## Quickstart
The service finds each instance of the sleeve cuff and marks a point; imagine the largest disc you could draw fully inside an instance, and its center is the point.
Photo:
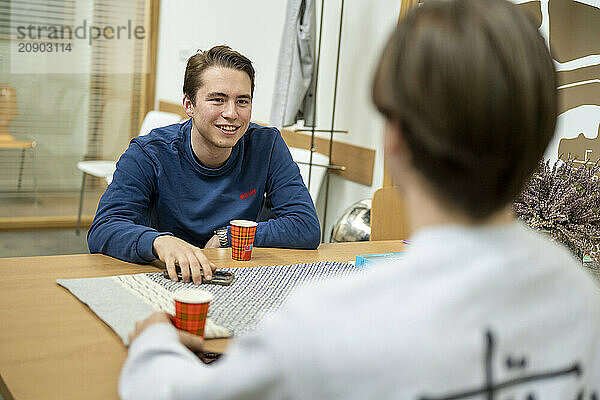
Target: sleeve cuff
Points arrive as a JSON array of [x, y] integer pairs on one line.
[[157, 333], [145, 242], [160, 338]]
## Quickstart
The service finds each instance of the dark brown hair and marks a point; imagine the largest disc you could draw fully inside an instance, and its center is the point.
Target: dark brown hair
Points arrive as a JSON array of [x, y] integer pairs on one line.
[[218, 56], [473, 87]]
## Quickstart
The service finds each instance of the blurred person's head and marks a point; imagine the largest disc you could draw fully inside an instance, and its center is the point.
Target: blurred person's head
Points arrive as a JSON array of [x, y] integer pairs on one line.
[[468, 89]]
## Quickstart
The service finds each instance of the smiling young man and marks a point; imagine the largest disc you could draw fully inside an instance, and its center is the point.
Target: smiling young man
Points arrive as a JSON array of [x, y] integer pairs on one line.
[[176, 189]]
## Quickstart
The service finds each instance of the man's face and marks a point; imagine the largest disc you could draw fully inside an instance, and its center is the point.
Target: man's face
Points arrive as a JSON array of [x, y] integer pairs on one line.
[[223, 107]]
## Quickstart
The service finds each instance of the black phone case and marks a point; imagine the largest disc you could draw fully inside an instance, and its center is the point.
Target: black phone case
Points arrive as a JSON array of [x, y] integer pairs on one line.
[[219, 278]]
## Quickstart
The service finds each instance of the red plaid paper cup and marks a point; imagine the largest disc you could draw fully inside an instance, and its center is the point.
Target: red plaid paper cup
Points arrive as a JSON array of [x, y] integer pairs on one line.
[[242, 239], [191, 308]]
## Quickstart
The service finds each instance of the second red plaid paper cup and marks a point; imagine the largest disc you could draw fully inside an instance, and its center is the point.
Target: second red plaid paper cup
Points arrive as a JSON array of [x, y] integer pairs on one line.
[[242, 239], [191, 308]]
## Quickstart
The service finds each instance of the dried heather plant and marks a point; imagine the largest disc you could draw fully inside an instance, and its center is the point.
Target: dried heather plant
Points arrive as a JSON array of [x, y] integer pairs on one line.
[[563, 200]]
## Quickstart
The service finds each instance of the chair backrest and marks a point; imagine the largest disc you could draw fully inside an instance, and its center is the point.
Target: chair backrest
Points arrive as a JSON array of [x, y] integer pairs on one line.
[[157, 119], [388, 215], [8, 109]]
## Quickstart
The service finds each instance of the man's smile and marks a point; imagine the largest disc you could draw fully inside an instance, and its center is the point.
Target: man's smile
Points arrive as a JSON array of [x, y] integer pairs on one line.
[[228, 129]]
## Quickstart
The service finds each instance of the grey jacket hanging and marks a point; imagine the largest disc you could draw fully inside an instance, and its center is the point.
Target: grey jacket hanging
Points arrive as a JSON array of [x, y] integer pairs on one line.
[[293, 98]]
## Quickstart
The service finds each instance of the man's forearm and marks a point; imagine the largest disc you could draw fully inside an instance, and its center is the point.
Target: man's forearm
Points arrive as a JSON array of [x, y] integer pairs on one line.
[[123, 240], [292, 231]]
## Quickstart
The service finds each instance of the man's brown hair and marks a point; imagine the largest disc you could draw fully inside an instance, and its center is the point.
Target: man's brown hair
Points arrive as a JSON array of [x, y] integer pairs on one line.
[[218, 56], [473, 87]]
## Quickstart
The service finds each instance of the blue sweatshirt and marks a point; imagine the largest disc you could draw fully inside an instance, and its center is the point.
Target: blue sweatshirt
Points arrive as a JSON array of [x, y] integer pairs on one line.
[[159, 187]]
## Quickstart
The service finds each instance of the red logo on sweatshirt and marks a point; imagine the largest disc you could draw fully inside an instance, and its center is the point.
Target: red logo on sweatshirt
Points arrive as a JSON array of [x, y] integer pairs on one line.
[[248, 194]]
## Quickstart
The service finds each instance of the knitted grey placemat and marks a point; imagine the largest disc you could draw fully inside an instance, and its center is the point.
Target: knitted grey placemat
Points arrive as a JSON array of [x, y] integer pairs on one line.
[[113, 304], [239, 308]]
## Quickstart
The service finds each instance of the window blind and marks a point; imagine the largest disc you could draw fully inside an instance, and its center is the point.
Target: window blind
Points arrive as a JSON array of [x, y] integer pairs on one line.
[[77, 68]]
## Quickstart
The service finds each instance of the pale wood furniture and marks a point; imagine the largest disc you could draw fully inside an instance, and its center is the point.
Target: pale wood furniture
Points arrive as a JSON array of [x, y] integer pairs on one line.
[[388, 215], [9, 109], [148, 87], [356, 162], [53, 347], [9, 143]]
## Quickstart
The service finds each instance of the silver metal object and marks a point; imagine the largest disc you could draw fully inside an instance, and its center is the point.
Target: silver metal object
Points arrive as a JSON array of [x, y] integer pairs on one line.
[[354, 225]]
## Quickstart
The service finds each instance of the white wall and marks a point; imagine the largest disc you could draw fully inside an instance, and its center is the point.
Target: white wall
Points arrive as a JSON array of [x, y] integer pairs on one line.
[[255, 28], [251, 27]]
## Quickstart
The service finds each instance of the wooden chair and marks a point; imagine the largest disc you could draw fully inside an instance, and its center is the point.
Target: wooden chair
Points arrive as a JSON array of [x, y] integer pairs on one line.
[[388, 215], [8, 111]]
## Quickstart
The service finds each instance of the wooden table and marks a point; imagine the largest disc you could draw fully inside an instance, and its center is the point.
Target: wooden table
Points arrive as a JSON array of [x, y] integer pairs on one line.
[[53, 347]]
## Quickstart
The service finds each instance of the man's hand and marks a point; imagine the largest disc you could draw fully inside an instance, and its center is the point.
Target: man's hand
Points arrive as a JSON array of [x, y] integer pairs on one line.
[[190, 259], [193, 342], [213, 243]]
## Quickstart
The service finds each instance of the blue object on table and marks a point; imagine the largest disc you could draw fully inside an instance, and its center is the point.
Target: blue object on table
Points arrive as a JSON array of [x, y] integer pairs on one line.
[[368, 260]]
